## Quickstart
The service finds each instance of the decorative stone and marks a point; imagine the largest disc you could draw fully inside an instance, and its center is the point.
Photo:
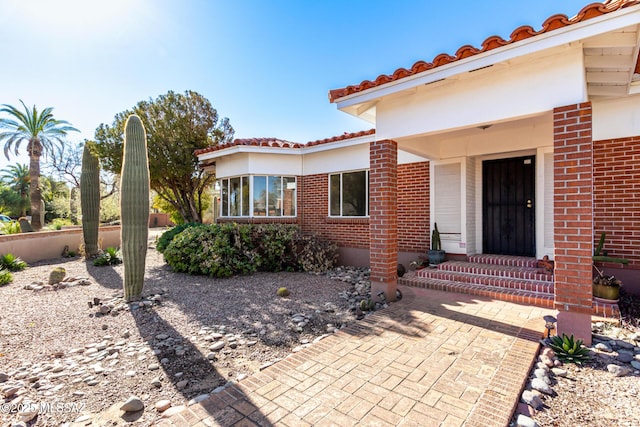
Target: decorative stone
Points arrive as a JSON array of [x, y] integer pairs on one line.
[[130, 374], [532, 399], [618, 371], [197, 399], [217, 346], [603, 347], [541, 386], [156, 382], [162, 405], [3, 377], [524, 421], [625, 356], [173, 411], [153, 367], [559, 372], [181, 384], [133, 404], [635, 364]]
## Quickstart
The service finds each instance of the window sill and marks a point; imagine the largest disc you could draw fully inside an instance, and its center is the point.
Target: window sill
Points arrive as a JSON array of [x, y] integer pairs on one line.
[[347, 220]]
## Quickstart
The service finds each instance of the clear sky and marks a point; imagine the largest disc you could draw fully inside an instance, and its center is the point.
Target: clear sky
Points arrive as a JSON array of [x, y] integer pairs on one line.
[[266, 64]]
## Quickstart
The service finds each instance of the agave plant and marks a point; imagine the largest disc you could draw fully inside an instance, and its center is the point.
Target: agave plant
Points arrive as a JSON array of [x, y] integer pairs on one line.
[[568, 349], [12, 262], [110, 256], [5, 276]]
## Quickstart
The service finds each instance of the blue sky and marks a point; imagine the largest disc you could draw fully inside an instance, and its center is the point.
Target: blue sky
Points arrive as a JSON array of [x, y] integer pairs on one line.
[[267, 65]]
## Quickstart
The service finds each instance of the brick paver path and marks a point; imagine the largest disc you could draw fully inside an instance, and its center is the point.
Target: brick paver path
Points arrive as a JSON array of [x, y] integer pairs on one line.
[[432, 359]]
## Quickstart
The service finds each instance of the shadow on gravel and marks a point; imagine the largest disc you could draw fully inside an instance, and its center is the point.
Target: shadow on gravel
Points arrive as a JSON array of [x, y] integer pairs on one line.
[[192, 373], [105, 276]]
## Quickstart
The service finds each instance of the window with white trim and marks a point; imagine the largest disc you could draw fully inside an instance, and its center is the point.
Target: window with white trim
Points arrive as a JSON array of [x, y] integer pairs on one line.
[[349, 194], [258, 196]]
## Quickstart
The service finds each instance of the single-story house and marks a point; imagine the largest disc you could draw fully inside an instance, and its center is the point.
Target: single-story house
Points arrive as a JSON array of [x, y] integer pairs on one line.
[[523, 147]]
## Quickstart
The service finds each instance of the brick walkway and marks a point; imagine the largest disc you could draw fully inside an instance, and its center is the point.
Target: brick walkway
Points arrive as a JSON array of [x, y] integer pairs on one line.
[[433, 359]]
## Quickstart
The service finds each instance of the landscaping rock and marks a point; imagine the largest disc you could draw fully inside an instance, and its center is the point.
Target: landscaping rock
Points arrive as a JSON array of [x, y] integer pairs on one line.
[[162, 405], [133, 404], [618, 371], [524, 421], [541, 386], [532, 399]]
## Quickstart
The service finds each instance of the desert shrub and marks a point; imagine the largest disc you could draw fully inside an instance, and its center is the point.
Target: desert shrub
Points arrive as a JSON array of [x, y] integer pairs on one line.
[[213, 250], [12, 227], [222, 250], [58, 223], [276, 245], [110, 256], [12, 263], [316, 255], [166, 237], [5, 277]]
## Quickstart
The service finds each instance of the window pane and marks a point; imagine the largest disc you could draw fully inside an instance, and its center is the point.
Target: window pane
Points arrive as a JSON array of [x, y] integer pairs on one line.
[[354, 194], [275, 196], [259, 195], [334, 195], [289, 199], [225, 197], [234, 197], [245, 196]]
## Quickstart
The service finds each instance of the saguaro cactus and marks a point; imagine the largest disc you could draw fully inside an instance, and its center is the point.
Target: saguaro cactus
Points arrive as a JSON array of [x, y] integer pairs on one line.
[[90, 200], [134, 207]]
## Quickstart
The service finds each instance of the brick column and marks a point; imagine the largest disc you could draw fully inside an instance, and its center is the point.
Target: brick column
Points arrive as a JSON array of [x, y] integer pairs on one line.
[[573, 219], [383, 218]]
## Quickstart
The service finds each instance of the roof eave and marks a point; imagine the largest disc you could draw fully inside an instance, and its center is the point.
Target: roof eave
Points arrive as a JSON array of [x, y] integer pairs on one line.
[[599, 25]]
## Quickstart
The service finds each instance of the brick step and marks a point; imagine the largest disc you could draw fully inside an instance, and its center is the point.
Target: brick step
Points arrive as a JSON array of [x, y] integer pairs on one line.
[[508, 260], [513, 272], [541, 286], [539, 299]]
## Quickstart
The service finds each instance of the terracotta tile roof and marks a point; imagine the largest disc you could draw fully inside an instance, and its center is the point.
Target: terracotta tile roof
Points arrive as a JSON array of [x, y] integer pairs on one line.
[[341, 137], [255, 142], [524, 32], [279, 143]]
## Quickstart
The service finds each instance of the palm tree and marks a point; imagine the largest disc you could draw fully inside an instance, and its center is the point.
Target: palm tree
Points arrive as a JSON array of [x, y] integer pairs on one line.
[[43, 134], [17, 178]]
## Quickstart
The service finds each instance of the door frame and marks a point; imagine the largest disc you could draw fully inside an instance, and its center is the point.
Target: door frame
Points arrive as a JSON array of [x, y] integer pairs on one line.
[[517, 201], [539, 194]]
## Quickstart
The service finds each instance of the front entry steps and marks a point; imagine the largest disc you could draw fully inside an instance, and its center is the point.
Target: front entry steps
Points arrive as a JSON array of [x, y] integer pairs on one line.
[[502, 277]]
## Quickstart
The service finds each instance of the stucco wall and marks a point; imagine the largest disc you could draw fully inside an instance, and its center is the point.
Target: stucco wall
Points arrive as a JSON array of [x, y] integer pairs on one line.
[[43, 245]]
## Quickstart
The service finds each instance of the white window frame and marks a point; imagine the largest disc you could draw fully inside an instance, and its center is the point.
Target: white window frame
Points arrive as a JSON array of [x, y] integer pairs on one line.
[[367, 195], [251, 186]]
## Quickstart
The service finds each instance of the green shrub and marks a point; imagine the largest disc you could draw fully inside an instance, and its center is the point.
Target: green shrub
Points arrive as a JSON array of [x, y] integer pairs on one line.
[[58, 223], [569, 350], [276, 245], [12, 263], [166, 237], [222, 250], [110, 256], [213, 250], [12, 227], [5, 277]]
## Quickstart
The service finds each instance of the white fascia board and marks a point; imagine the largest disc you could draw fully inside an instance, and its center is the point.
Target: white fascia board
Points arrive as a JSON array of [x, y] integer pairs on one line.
[[288, 151], [592, 27], [339, 144], [247, 149]]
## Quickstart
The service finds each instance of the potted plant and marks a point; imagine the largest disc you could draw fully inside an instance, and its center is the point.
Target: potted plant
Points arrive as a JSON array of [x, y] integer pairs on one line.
[[436, 254], [606, 287]]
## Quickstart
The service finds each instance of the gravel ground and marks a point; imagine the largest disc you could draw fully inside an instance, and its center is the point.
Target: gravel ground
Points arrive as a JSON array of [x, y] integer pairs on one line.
[[59, 351], [592, 395]]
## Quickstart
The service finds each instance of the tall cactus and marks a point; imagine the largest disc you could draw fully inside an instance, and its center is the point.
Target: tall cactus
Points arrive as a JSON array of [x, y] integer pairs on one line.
[[134, 207], [90, 200]]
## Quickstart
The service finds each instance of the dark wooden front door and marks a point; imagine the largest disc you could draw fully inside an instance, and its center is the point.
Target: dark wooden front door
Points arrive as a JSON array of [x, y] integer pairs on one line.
[[508, 207]]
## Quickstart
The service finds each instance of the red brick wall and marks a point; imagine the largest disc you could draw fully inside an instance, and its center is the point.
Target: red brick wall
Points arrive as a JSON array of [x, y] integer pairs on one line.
[[313, 206], [413, 207], [573, 208], [383, 207], [314, 215], [616, 196]]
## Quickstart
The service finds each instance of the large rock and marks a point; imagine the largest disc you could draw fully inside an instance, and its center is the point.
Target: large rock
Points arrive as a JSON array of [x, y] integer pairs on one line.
[[541, 386], [524, 421], [133, 404]]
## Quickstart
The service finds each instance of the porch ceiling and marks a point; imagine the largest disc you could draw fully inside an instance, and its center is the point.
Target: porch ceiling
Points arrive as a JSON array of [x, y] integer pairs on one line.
[[610, 62]]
